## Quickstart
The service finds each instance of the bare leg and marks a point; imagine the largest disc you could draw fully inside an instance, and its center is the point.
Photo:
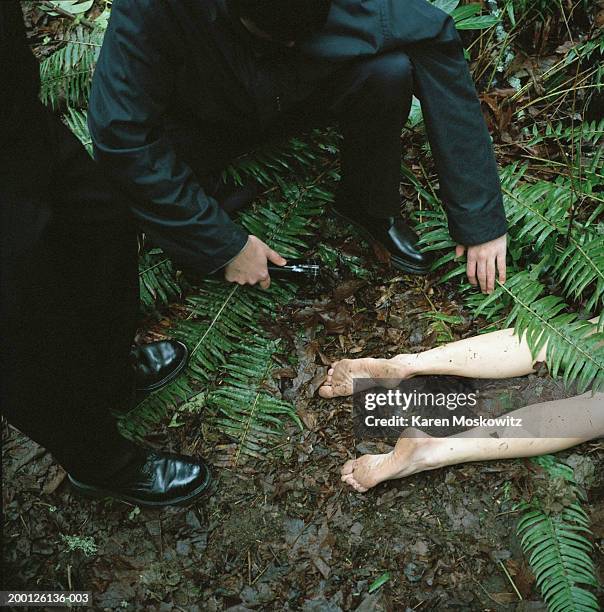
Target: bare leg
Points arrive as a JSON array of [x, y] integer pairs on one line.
[[500, 354], [552, 426], [549, 427]]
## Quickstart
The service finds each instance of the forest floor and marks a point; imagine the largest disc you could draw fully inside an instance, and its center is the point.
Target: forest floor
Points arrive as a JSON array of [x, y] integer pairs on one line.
[[285, 533]]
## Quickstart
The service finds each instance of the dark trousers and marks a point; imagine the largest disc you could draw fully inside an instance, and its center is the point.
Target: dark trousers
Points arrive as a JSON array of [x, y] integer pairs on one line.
[[370, 99], [69, 302]]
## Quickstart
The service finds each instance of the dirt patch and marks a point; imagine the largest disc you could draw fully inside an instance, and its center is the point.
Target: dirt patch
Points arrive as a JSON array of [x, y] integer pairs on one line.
[[285, 534]]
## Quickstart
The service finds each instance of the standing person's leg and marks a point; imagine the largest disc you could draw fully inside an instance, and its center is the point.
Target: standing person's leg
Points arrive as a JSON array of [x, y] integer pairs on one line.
[[60, 389], [74, 317], [68, 333], [104, 313]]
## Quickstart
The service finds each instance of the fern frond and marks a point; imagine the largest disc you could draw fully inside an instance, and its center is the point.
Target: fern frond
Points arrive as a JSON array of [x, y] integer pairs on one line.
[[140, 420], [273, 161], [581, 266], [77, 122], [66, 74], [575, 348], [245, 410], [589, 133], [539, 213], [558, 554], [158, 280], [557, 547]]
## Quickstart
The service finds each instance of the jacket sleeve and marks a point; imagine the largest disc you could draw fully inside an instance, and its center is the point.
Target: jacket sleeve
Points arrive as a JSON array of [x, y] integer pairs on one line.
[[131, 91]]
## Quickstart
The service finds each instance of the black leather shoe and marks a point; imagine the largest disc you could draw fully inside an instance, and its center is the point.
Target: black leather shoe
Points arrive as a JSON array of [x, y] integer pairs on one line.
[[395, 236], [154, 479], [158, 363]]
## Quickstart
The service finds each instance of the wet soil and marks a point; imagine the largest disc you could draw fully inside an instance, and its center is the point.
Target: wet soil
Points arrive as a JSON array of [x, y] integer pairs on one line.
[[285, 533]]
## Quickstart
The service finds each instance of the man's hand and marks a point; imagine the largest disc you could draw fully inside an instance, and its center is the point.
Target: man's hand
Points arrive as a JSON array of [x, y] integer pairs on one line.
[[250, 266], [483, 260]]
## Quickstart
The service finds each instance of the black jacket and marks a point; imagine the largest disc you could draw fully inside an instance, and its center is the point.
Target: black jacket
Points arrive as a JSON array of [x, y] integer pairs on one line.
[[187, 60], [164, 60]]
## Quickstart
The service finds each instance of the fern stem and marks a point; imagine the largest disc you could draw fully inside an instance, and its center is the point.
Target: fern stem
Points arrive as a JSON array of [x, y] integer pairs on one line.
[[216, 317], [250, 416], [547, 324], [157, 265]]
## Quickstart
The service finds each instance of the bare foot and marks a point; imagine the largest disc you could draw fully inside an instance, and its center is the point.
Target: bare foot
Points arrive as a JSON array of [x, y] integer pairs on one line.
[[413, 453], [342, 374]]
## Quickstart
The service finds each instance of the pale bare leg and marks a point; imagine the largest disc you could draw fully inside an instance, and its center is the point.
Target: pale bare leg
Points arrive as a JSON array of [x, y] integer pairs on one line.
[[550, 427], [500, 354]]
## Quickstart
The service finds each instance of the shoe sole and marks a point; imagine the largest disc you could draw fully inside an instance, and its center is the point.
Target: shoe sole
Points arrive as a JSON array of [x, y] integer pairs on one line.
[[397, 262], [96, 492], [168, 379]]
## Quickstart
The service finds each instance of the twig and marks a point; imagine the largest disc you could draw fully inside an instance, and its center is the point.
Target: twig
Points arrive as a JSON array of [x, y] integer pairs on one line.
[[485, 591], [505, 571], [274, 555], [259, 575], [506, 513]]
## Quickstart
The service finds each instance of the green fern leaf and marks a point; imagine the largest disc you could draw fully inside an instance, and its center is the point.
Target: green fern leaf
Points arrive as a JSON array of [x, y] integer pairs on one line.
[[557, 547]]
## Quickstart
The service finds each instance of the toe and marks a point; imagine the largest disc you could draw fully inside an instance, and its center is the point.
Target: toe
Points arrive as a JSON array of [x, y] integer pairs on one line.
[[349, 480], [348, 467], [326, 391], [341, 390], [361, 488], [355, 485]]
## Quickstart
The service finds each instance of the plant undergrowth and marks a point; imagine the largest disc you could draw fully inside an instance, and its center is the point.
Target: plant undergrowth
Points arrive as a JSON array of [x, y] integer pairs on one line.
[[548, 133]]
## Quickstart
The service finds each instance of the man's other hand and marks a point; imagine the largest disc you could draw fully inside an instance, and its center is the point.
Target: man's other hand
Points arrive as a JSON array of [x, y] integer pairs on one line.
[[484, 261], [250, 266]]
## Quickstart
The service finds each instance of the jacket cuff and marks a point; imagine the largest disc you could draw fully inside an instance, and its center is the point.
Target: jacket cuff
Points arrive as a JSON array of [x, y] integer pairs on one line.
[[234, 246], [226, 256], [478, 227]]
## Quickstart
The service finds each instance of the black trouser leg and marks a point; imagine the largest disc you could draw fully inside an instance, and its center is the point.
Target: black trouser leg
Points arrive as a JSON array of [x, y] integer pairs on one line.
[[459, 139], [73, 317], [372, 99]]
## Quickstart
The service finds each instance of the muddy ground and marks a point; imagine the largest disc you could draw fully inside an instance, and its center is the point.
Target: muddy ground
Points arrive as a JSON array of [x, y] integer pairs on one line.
[[285, 533]]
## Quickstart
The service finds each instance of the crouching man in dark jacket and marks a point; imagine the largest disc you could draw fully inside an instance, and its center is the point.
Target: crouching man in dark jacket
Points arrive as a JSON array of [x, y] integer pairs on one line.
[[70, 301], [183, 87]]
